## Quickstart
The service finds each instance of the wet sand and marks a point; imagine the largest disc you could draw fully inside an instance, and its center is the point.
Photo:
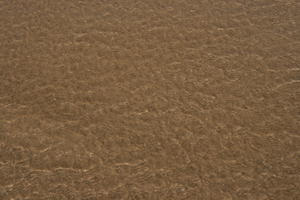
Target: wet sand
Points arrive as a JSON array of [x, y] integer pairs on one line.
[[149, 100]]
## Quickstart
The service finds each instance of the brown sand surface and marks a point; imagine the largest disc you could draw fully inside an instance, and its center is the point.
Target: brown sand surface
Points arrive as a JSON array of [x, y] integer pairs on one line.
[[149, 100]]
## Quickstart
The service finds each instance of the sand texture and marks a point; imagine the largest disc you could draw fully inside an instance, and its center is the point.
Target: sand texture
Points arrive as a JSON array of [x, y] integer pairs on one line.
[[149, 100]]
